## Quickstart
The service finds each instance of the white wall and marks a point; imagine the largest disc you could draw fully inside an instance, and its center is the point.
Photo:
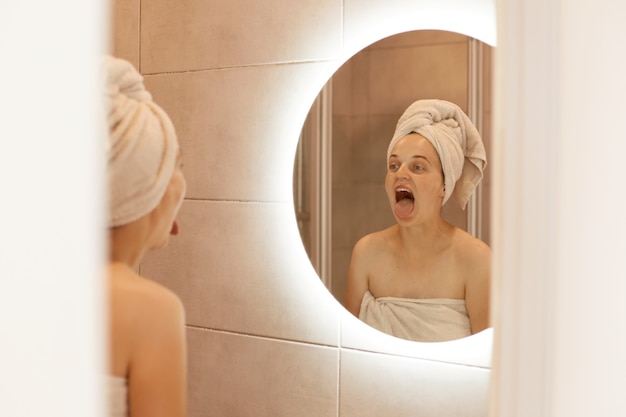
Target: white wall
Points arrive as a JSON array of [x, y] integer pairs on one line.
[[561, 226], [50, 298]]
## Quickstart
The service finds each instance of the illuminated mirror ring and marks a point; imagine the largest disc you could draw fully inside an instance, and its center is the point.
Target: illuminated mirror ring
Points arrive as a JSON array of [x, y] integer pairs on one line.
[[473, 350]]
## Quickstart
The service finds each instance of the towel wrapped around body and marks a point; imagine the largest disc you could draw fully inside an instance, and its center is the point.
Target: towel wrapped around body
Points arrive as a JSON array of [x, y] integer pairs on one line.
[[117, 388], [420, 320], [455, 139]]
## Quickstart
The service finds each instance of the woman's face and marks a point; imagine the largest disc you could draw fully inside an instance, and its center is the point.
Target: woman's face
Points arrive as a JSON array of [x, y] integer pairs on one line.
[[414, 182], [165, 213]]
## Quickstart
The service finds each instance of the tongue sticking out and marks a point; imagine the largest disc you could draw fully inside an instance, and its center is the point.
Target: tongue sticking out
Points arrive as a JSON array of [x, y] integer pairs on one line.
[[403, 208], [174, 230], [404, 204]]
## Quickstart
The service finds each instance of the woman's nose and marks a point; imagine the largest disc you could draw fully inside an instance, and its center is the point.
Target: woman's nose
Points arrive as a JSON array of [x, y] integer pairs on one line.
[[402, 172]]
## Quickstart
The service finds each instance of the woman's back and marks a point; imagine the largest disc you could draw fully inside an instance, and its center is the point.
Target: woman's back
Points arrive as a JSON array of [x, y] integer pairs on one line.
[[147, 343]]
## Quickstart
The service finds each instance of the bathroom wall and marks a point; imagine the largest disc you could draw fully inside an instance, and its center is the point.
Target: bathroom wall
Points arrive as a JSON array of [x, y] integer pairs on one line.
[[237, 78], [52, 338]]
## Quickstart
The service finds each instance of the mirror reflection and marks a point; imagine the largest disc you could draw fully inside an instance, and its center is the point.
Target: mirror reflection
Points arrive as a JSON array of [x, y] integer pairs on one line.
[[341, 164]]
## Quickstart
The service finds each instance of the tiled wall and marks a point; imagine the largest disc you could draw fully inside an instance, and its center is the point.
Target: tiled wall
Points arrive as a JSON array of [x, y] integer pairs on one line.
[[265, 337]]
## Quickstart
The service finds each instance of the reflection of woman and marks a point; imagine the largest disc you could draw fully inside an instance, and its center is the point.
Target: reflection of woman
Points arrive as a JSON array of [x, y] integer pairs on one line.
[[146, 187], [424, 279]]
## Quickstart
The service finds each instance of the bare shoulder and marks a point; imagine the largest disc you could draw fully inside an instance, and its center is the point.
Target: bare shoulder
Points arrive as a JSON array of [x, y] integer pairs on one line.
[[474, 260], [374, 250], [374, 243], [361, 254], [142, 313], [472, 251], [142, 300], [148, 343], [366, 254]]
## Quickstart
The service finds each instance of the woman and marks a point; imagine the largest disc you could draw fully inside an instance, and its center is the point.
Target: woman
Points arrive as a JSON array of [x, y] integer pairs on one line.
[[146, 187], [424, 279]]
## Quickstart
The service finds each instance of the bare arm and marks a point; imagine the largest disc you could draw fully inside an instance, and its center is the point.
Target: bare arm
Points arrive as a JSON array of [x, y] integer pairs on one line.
[[478, 287], [158, 363], [357, 283]]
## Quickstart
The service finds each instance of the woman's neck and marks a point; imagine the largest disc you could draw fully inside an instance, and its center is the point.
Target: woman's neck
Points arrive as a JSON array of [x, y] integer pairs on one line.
[[127, 244], [428, 236]]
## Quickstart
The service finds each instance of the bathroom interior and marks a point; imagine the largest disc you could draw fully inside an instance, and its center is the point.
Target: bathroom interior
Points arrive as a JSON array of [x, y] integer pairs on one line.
[[267, 334], [270, 301]]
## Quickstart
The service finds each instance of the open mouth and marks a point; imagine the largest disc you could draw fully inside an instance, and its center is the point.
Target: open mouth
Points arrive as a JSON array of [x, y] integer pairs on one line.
[[404, 194], [405, 203]]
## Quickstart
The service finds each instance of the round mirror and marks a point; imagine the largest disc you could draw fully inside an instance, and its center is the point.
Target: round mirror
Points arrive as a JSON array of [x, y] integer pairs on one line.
[[340, 165]]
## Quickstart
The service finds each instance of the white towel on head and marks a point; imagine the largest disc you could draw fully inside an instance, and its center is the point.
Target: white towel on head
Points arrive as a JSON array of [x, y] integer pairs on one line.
[[455, 139], [142, 144]]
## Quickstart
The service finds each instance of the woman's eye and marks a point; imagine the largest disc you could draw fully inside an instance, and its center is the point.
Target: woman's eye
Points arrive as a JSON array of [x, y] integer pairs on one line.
[[418, 168], [393, 167]]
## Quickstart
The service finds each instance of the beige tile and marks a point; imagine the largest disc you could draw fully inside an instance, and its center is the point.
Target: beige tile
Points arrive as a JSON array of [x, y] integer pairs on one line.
[[360, 151], [342, 90], [194, 35], [239, 128], [342, 149], [381, 128], [454, 214], [381, 215], [125, 30], [360, 83], [381, 385], [241, 267], [360, 213], [235, 375], [419, 37], [380, 131], [341, 264], [346, 200], [400, 76]]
